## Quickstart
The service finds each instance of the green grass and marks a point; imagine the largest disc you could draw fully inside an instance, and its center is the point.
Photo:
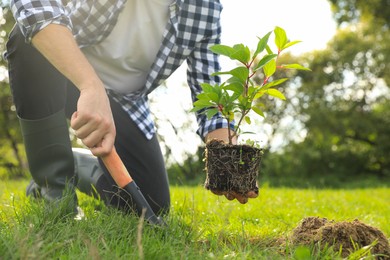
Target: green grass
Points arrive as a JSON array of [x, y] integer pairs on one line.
[[201, 225]]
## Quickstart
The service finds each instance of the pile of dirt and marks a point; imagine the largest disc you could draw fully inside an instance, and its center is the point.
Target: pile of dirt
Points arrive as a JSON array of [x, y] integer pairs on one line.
[[314, 230]]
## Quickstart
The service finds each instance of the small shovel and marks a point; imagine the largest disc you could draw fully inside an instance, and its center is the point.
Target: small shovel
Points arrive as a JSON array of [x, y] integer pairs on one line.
[[123, 179]]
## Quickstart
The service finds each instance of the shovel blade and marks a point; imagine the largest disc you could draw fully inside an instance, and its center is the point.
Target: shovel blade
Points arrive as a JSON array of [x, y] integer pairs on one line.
[[142, 205]]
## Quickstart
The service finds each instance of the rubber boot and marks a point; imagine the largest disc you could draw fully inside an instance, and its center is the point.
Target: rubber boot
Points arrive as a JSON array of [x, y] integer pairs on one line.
[[93, 181], [88, 171], [50, 159]]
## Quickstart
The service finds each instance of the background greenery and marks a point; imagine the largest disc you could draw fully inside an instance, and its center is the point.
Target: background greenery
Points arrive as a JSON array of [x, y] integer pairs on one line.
[[341, 106]]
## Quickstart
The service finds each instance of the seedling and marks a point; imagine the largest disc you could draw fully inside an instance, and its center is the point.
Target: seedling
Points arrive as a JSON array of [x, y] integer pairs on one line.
[[239, 95]]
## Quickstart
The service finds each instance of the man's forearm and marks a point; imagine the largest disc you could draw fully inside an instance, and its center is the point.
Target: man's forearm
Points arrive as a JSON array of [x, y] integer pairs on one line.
[[57, 44], [93, 121]]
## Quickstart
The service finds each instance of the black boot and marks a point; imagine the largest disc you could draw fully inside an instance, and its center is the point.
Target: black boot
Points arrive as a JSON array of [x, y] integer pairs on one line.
[[93, 181], [88, 171], [50, 159]]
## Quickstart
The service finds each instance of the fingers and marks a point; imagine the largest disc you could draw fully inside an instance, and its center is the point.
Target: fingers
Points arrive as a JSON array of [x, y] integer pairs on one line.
[[104, 147], [229, 196], [232, 195], [94, 133], [252, 194], [217, 192]]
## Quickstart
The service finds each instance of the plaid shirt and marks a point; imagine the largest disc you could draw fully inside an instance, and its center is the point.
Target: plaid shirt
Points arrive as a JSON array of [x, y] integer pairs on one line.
[[192, 28]]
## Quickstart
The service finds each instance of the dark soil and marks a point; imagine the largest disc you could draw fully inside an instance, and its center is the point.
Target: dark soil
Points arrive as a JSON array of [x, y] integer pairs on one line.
[[314, 230], [232, 167]]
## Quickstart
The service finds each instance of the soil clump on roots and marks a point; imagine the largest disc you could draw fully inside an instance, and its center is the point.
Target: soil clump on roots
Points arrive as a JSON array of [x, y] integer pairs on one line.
[[232, 167], [349, 236]]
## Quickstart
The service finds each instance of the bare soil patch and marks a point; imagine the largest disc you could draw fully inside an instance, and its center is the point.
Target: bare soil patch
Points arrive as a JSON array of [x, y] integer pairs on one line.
[[314, 230]]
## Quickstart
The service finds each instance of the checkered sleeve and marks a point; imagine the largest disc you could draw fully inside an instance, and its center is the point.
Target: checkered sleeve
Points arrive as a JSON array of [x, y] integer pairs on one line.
[[33, 15], [202, 63]]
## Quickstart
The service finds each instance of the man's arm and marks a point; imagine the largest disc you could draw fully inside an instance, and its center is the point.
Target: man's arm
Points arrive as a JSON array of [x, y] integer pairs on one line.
[[93, 120]]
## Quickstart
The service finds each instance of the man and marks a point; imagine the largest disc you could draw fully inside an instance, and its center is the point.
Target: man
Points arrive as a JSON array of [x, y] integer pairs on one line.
[[95, 62]]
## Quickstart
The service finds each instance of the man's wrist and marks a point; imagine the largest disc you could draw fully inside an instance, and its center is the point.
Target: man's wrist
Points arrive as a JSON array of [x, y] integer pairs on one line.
[[220, 134]]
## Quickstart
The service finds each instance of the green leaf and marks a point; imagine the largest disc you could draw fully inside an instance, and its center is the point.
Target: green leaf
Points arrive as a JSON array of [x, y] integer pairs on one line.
[[206, 87], [241, 73], [234, 97], [258, 111], [280, 37], [275, 93], [235, 87], [274, 83], [251, 89], [230, 116], [248, 120], [259, 94], [196, 109], [211, 112], [221, 73], [213, 97], [223, 50], [295, 66], [234, 80], [202, 103], [203, 96], [269, 68], [242, 101], [269, 51], [289, 44], [261, 44], [242, 53], [267, 58]]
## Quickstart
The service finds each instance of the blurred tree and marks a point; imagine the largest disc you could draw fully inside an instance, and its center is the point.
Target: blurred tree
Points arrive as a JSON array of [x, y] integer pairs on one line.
[[344, 102], [355, 11], [11, 160]]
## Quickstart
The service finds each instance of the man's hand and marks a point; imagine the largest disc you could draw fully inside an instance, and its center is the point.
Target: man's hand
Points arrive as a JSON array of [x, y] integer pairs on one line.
[[93, 122], [234, 195], [222, 134]]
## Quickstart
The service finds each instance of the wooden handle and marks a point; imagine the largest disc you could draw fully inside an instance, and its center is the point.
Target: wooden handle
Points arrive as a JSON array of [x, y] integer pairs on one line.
[[116, 168]]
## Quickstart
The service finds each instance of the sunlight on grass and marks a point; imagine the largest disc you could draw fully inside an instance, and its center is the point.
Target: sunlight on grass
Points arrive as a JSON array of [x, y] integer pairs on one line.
[[277, 211], [201, 225]]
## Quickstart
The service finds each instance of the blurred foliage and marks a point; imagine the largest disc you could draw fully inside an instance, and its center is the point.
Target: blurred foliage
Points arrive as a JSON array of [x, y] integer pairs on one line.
[[12, 162], [344, 104], [355, 11], [189, 172]]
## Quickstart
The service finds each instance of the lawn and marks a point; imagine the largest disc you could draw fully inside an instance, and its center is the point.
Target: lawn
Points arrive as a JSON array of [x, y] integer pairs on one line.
[[200, 225]]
